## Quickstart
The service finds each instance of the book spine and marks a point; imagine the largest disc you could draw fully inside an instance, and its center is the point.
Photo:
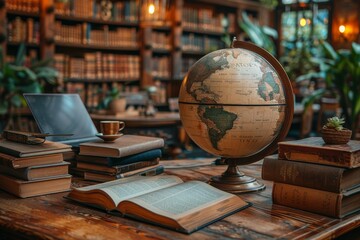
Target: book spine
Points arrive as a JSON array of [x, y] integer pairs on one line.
[[21, 173], [315, 155], [135, 166], [310, 175], [144, 156], [312, 200], [139, 148], [15, 137]]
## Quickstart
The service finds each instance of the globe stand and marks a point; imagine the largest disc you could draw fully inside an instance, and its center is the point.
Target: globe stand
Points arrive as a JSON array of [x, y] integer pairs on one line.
[[234, 181]]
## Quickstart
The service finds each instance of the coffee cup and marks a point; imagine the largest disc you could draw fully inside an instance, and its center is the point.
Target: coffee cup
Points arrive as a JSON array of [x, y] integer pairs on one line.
[[111, 127]]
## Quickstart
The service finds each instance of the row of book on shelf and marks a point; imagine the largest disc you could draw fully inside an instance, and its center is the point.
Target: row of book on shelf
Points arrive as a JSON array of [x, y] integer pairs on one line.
[[104, 36], [315, 177], [192, 42], [98, 66], [19, 30], [31, 6], [206, 19], [107, 10]]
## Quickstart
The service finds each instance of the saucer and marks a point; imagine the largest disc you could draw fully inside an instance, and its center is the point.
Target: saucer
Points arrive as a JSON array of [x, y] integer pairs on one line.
[[108, 138]]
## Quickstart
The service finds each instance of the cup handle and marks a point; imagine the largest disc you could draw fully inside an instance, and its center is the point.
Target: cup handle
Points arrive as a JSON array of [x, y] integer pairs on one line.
[[122, 126]]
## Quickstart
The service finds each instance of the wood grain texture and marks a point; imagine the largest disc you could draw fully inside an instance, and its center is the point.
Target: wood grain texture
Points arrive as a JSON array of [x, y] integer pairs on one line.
[[54, 217]]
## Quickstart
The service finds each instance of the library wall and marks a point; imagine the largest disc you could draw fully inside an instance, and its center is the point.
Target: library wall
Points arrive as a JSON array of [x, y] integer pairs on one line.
[[99, 45]]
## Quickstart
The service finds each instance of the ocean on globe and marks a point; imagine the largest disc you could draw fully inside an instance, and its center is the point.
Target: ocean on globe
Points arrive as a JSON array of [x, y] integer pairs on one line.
[[232, 103]]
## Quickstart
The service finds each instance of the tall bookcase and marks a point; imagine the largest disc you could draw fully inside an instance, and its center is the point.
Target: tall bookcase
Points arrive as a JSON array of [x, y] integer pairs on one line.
[[96, 46]]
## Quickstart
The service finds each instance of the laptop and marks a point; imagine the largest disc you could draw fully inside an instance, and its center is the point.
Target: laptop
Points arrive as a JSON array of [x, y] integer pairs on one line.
[[62, 114]]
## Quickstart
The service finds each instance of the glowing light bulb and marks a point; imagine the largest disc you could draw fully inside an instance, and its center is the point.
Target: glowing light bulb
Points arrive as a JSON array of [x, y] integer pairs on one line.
[[151, 9], [302, 22], [342, 28]]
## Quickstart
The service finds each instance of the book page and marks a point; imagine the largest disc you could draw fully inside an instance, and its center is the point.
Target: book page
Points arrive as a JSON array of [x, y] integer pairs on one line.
[[122, 189], [182, 199]]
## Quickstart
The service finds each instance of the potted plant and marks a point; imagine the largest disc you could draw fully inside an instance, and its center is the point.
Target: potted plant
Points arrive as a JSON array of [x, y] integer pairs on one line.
[[340, 71], [17, 78], [114, 102], [333, 131]]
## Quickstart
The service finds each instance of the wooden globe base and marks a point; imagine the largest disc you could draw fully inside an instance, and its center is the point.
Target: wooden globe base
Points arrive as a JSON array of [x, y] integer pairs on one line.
[[234, 181]]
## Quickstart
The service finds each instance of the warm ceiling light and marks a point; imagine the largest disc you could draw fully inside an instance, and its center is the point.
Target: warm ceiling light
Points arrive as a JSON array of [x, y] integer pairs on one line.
[[151, 8], [342, 28], [302, 22]]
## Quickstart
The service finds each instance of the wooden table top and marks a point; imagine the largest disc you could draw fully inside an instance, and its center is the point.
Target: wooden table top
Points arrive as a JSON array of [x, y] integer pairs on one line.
[[54, 217], [131, 120]]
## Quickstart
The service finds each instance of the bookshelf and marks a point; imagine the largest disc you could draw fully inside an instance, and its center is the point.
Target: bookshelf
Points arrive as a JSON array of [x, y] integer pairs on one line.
[[97, 44]]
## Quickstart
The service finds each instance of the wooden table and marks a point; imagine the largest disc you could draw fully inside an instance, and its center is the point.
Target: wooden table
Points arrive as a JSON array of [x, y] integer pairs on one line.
[[53, 217]]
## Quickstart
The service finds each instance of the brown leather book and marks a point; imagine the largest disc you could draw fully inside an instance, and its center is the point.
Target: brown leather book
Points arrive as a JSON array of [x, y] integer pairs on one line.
[[317, 201], [26, 189], [37, 172], [122, 147], [25, 150], [314, 150], [16, 162], [322, 177]]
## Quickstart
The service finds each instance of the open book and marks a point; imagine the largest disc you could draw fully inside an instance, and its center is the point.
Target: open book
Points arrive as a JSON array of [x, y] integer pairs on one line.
[[162, 200]]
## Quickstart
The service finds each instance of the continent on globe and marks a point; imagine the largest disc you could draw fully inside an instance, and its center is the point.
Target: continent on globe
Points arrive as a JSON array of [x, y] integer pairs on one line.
[[268, 88], [218, 122]]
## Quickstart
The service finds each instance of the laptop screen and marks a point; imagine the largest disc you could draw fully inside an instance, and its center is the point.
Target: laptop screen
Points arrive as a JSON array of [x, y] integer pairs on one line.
[[61, 114]]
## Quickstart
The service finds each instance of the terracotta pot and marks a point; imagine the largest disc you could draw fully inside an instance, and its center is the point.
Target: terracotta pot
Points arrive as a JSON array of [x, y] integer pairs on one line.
[[117, 105], [333, 136]]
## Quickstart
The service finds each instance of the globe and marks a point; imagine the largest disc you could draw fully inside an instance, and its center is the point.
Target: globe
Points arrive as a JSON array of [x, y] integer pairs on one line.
[[236, 103]]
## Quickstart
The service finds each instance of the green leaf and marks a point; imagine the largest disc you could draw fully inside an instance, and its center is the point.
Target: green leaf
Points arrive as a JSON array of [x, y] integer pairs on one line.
[[329, 50], [314, 96], [270, 31], [20, 57], [355, 47], [16, 100]]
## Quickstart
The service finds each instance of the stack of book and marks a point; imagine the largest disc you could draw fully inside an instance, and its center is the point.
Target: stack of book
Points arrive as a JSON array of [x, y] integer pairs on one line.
[[33, 170], [315, 177], [127, 156]]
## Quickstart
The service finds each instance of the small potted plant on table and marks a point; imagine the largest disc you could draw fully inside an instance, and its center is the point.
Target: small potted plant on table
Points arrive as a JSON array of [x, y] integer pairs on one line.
[[333, 131]]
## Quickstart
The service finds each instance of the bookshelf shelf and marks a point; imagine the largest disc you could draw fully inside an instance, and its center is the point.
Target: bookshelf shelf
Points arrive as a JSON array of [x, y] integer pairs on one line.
[[97, 21], [202, 31], [97, 47], [16, 44], [161, 50], [23, 14], [80, 80]]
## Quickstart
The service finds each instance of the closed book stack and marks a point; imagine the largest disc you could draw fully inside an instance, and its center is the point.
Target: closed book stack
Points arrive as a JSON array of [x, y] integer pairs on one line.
[[127, 156], [33, 170], [307, 177]]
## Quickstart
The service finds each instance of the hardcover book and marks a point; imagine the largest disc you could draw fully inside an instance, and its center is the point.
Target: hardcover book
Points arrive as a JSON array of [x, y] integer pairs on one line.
[[314, 150], [37, 172], [122, 147], [111, 161], [114, 170], [322, 177], [25, 150], [103, 177], [44, 186], [162, 200], [16, 162], [317, 201]]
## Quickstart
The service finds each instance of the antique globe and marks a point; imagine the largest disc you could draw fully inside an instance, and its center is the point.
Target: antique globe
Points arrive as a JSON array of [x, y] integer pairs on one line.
[[237, 103]]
